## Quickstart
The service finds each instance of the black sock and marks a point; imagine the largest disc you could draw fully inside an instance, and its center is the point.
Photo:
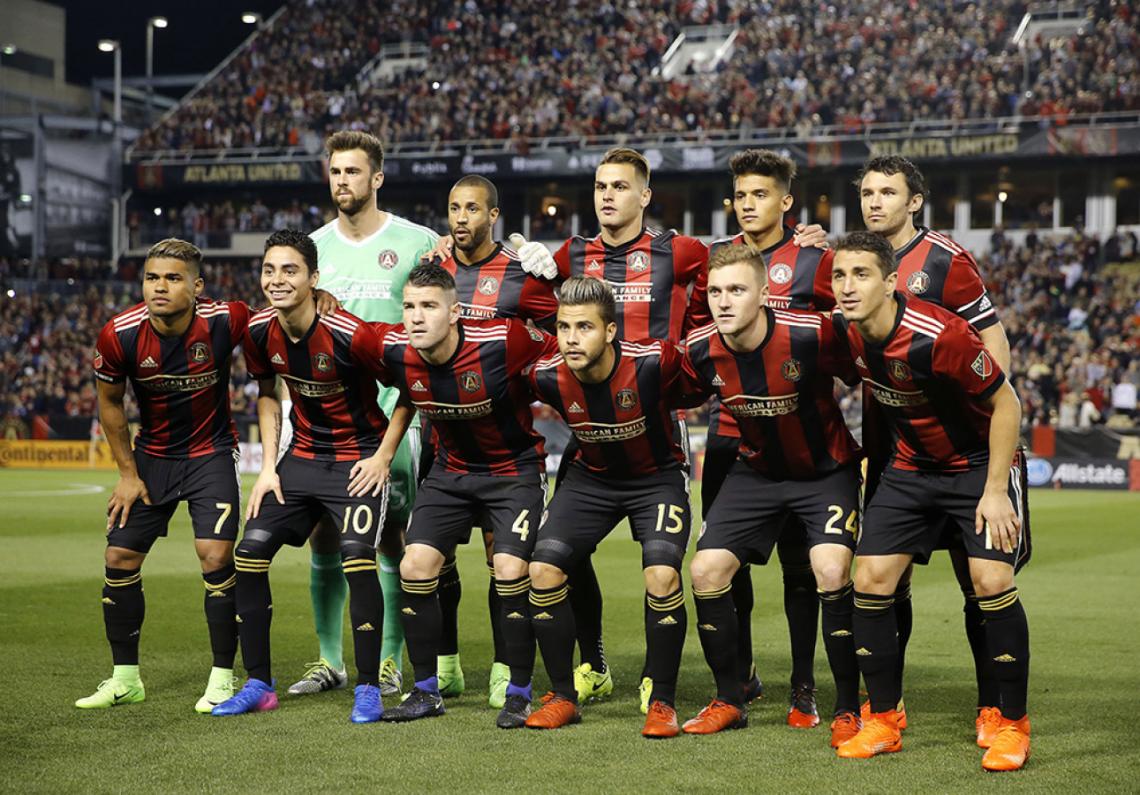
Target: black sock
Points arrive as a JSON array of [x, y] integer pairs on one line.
[[837, 608], [1007, 635], [743, 599], [717, 627], [221, 618], [801, 607], [586, 601], [254, 606], [495, 611], [666, 621], [904, 621], [988, 692], [518, 636], [366, 611], [123, 611], [450, 592], [876, 648], [420, 616], [553, 621]]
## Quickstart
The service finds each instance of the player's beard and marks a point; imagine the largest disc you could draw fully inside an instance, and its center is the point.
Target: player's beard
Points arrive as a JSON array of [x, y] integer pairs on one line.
[[475, 239], [353, 207]]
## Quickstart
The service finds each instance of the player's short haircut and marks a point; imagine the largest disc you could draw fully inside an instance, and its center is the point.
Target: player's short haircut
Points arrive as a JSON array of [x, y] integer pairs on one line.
[[896, 164], [586, 291], [631, 157], [299, 242], [477, 181], [764, 163], [431, 274], [873, 243], [173, 248], [346, 140], [740, 255]]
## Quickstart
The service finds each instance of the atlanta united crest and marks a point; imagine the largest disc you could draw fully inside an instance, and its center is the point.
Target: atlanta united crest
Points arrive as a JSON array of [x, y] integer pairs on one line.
[[388, 259], [626, 399], [199, 352], [323, 362], [792, 370], [780, 273], [488, 285], [637, 261], [898, 369], [918, 282], [470, 380]]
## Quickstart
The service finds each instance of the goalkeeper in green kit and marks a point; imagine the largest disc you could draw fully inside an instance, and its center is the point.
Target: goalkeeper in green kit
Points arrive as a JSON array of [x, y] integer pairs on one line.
[[364, 257]]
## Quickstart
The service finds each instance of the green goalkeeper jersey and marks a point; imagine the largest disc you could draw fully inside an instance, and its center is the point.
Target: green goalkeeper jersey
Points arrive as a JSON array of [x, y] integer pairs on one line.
[[367, 276]]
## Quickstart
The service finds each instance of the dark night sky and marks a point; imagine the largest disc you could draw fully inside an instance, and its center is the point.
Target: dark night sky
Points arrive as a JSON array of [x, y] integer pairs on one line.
[[201, 33]]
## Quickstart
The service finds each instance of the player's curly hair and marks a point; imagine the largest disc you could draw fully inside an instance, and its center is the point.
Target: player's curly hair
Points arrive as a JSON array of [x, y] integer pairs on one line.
[[764, 163], [586, 291], [346, 140], [896, 164], [299, 242], [874, 244], [173, 248], [431, 274]]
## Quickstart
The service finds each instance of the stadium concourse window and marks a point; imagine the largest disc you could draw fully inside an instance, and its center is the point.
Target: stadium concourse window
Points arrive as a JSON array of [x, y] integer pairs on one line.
[[943, 196], [1126, 187], [817, 199], [1028, 198], [983, 194]]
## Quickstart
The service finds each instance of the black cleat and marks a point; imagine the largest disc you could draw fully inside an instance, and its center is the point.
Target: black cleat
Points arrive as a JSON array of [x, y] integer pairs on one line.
[[418, 704], [514, 713], [754, 689]]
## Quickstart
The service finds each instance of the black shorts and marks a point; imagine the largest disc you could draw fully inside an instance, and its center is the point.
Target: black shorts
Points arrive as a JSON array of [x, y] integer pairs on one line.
[[909, 510], [312, 490], [721, 453], [586, 507], [752, 510], [449, 504], [209, 484]]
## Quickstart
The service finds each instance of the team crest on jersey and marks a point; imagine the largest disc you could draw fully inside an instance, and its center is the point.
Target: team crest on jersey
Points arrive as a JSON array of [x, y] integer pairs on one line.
[[488, 285], [471, 381], [626, 399], [199, 352], [534, 333], [918, 282], [898, 369], [388, 259], [594, 266], [637, 261], [98, 359], [323, 362], [792, 370], [780, 273], [983, 366]]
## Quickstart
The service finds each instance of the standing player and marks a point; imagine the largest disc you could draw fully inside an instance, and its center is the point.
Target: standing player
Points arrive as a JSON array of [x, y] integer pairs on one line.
[[176, 351], [489, 283], [933, 268], [773, 370], [365, 256], [953, 420], [614, 396], [337, 463], [466, 377]]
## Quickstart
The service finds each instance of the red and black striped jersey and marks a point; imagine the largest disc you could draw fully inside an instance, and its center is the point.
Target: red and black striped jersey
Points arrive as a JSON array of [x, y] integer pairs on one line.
[[182, 383], [935, 269], [331, 374], [498, 287], [478, 401], [651, 277], [931, 377], [782, 394], [624, 425]]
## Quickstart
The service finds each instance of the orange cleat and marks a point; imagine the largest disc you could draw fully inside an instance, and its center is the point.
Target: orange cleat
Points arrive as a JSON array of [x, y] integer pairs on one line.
[[555, 713], [865, 713], [661, 722], [879, 735], [845, 726], [1010, 748], [717, 716], [987, 724], [802, 712]]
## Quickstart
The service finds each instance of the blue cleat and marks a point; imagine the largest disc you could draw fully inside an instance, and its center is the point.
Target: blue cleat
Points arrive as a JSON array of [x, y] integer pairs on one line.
[[367, 708], [255, 696]]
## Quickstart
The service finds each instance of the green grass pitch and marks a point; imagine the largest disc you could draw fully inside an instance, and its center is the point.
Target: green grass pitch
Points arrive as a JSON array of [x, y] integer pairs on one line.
[[1083, 689]]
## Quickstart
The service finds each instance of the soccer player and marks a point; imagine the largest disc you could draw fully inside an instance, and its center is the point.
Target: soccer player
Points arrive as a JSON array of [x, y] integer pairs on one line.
[[365, 255], [953, 420], [934, 268], [466, 376], [489, 283], [797, 278], [176, 350], [337, 463], [774, 371], [629, 464]]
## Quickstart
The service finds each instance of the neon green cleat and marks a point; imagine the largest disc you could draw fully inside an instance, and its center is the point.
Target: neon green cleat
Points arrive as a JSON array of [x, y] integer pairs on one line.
[[219, 688], [391, 680], [450, 675], [497, 687], [645, 690], [112, 693], [592, 685]]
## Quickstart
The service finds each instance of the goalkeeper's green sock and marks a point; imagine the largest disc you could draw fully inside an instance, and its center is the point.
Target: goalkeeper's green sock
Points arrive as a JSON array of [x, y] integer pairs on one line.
[[329, 591], [392, 641]]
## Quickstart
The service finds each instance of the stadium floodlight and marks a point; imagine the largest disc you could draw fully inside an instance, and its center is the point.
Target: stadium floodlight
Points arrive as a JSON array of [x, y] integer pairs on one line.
[[25, 198], [1002, 196], [251, 18], [108, 45], [11, 293], [158, 22], [112, 45], [151, 24], [9, 49]]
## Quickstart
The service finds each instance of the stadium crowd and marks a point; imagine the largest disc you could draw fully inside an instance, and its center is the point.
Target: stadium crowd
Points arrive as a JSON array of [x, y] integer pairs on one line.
[[530, 68]]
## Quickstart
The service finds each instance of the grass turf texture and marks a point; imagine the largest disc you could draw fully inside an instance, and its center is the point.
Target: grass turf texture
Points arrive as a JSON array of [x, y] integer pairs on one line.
[[1082, 696]]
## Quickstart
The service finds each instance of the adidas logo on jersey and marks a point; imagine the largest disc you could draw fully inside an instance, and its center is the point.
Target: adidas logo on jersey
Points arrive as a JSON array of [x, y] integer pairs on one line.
[[418, 386], [668, 621], [859, 362], [717, 380], [277, 359], [366, 627], [148, 363], [574, 408]]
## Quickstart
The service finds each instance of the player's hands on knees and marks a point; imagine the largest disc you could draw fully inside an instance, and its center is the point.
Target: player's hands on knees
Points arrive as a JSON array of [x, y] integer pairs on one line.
[[128, 491], [326, 303], [810, 236], [996, 513], [369, 475], [267, 483], [441, 251], [534, 257]]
